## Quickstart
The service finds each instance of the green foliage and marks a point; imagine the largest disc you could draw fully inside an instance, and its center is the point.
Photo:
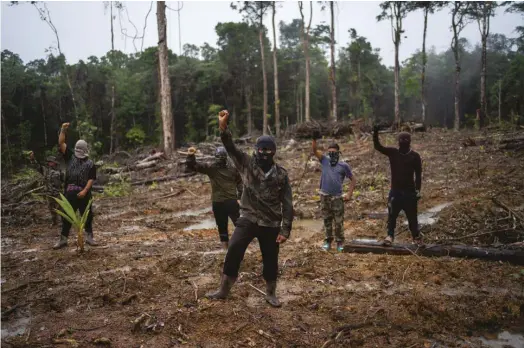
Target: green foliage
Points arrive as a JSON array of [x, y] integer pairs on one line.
[[136, 136], [73, 217], [118, 189]]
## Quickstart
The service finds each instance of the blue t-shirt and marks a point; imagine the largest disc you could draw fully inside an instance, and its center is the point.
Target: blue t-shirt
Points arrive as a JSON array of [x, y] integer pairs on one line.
[[333, 176]]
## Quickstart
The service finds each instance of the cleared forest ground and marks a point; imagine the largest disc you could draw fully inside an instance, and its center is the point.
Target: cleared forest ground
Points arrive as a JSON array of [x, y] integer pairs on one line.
[[159, 256]]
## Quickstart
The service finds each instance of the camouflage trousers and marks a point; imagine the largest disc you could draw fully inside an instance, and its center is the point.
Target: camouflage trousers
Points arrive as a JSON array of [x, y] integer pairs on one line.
[[52, 205], [333, 211]]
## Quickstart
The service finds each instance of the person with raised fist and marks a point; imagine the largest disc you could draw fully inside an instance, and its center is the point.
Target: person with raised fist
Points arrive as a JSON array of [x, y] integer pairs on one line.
[[226, 189], [80, 175], [406, 181], [266, 211]]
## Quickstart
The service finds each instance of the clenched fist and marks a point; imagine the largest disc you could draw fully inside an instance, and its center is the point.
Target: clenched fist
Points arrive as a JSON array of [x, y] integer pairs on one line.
[[65, 126], [222, 119], [191, 151]]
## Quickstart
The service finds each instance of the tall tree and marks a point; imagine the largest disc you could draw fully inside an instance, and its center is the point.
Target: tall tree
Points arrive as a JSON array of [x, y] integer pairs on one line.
[[254, 11], [333, 75], [395, 11], [305, 42], [275, 73], [427, 7], [482, 11], [458, 22], [165, 85]]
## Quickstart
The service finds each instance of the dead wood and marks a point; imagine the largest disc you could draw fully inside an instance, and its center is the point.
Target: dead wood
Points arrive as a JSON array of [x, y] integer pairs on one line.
[[492, 254]]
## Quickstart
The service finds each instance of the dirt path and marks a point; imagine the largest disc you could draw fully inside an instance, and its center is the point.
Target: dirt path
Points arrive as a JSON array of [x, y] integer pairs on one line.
[[157, 259]]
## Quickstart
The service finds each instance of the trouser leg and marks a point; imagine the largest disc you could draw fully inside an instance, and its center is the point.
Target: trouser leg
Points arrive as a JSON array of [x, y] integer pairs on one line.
[[267, 239], [394, 208], [338, 217], [410, 208], [327, 216], [220, 212], [244, 233]]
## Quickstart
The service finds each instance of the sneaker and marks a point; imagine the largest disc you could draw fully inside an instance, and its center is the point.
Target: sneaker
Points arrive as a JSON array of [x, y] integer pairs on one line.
[[340, 247], [327, 246], [388, 241]]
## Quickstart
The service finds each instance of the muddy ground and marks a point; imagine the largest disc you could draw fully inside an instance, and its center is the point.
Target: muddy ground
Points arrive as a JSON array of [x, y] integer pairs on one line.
[[159, 256]]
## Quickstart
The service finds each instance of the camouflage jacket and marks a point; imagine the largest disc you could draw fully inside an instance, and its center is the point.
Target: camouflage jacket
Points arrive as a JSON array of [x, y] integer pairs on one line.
[[226, 182], [53, 178], [267, 199]]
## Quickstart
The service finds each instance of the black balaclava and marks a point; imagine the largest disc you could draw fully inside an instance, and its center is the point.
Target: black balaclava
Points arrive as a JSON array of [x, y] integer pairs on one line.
[[221, 157], [333, 154], [404, 143], [265, 159]]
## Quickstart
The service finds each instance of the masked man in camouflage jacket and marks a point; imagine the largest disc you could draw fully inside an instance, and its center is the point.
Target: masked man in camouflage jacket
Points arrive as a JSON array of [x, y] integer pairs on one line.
[[266, 211], [53, 181], [226, 189]]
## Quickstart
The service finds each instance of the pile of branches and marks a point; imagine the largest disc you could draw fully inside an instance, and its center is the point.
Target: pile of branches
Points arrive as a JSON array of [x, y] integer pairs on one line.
[[324, 128], [18, 199]]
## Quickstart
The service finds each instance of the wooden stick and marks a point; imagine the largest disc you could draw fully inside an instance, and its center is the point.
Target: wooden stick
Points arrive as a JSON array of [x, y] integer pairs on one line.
[[257, 289]]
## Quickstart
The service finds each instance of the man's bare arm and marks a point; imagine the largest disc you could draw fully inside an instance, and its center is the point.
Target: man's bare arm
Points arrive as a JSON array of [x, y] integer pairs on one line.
[[62, 146], [315, 150]]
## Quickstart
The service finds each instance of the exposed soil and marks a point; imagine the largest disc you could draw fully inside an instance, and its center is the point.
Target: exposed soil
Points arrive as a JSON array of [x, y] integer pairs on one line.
[[151, 265]]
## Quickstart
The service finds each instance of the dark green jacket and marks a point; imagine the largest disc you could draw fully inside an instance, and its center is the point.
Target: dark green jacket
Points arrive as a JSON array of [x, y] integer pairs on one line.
[[267, 199], [226, 182]]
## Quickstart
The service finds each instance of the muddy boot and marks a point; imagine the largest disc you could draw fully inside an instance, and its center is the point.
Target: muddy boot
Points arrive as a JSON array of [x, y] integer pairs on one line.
[[89, 239], [271, 297], [62, 243], [226, 283]]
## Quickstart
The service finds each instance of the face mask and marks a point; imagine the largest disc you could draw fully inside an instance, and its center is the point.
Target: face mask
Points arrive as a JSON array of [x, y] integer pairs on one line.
[[333, 157], [221, 161], [264, 158], [404, 146]]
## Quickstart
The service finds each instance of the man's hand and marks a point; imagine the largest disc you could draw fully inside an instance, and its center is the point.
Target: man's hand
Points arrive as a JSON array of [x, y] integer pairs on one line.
[[65, 126], [418, 196], [281, 239], [191, 151], [348, 196], [222, 119], [82, 194]]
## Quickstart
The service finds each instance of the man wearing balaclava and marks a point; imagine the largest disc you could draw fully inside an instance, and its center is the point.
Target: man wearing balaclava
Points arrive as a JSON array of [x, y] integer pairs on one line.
[[266, 211], [331, 198], [80, 175], [226, 189], [406, 181]]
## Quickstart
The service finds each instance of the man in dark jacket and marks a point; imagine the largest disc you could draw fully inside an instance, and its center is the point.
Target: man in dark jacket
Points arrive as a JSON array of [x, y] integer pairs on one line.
[[266, 211], [80, 175], [406, 181], [226, 189]]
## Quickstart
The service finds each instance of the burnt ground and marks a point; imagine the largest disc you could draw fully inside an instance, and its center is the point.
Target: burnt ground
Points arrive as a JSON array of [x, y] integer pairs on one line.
[[150, 266]]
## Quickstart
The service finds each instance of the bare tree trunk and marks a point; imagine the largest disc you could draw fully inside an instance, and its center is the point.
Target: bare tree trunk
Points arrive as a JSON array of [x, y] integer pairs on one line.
[[264, 77], [305, 42], [297, 104], [424, 63], [42, 97], [249, 109], [301, 106], [275, 75], [483, 99], [5, 135], [333, 75], [165, 87], [397, 31], [112, 128], [500, 101], [397, 86], [456, 126]]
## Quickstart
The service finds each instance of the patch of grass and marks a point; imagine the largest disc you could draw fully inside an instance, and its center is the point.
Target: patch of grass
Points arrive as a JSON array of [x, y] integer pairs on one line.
[[119, 189]]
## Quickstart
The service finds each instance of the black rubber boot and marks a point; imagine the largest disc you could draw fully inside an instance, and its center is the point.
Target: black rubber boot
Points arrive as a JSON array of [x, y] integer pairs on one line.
[[225, 286], [62, 243], [89, 239], [271, 297]]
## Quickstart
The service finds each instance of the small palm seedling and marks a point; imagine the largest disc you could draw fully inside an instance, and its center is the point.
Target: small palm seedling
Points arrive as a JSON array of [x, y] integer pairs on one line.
[[74, 218]]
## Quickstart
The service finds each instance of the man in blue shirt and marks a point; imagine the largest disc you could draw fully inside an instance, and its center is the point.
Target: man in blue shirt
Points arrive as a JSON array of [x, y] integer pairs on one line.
[[331, 197]]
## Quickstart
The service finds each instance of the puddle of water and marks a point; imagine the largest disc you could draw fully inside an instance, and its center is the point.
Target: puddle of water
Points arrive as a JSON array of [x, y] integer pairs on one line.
[[205, 224], [15, 328], [429, 217], [505, 339]]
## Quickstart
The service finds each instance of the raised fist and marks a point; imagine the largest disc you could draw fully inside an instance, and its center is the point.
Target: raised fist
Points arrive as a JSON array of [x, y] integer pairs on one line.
[[65, 125], [191, 151], [222, 119]]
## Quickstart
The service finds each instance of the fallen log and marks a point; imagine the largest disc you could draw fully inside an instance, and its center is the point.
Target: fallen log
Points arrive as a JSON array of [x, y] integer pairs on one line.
[[492, 254], [161, 179]]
